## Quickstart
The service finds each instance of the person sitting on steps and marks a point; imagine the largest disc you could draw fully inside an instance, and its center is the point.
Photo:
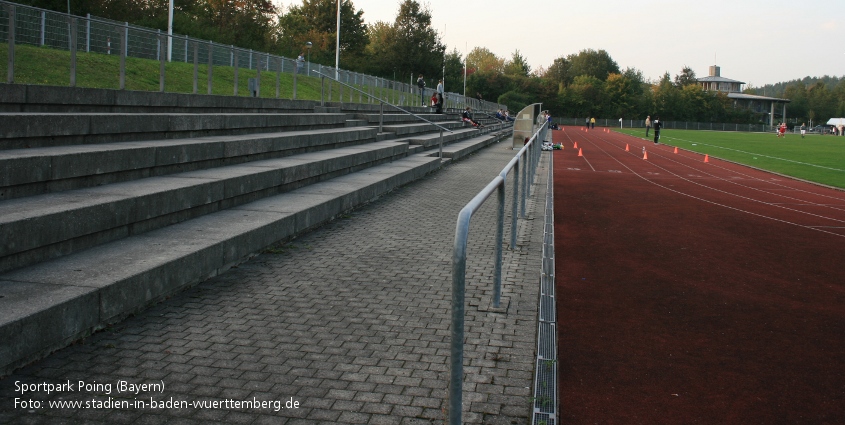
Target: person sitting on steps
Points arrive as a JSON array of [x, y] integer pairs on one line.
[[466, 116]]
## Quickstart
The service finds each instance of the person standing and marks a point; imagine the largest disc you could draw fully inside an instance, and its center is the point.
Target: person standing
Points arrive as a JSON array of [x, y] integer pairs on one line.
[[439, 95], [593, 122], [421, 85], [657, 125], [587, 123], [647, 125], [803, 129], [300, 62]]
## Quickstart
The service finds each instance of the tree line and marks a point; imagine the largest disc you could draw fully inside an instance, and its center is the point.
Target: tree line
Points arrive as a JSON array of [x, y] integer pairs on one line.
[[587, 83]]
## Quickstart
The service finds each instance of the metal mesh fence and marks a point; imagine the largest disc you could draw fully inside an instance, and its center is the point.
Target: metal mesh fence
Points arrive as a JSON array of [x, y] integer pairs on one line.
[[678, 125], [39, 27]]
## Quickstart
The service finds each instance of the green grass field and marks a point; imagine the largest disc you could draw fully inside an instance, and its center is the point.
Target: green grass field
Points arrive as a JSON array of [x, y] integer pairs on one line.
[[41, 65], [815, 158]]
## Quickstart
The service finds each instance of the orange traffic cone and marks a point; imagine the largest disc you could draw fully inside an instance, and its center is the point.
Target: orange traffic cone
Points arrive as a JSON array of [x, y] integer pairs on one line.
[[576, 145], [626, 148], [676, 149], [645, 155], [579, 152], [706, 158]]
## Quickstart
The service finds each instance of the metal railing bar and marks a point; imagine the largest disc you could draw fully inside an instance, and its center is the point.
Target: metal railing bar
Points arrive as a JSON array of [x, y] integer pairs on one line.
[[384, 102], [459, 257]]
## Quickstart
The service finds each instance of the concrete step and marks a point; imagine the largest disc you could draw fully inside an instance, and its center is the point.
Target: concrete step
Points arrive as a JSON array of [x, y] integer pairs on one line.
[[327, 109], [407, 129], [460, 149], [41, 98], [29, 130], [433, 139], [49, 305], [398, 118], [27, 172], [356, 123], [42, 227]]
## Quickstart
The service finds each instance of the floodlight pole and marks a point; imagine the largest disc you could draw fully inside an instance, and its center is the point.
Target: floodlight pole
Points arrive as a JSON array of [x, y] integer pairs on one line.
[[170, 30], [337, 46]]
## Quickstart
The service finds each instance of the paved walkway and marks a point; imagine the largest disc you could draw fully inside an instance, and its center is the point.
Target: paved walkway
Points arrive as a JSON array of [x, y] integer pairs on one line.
[[349, 323]]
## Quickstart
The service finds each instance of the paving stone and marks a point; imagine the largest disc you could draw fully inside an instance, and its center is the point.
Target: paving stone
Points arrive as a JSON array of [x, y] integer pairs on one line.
[[352, 318]]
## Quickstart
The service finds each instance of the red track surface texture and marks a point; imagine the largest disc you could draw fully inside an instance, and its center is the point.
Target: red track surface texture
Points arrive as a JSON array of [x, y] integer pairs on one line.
[[692, 292]]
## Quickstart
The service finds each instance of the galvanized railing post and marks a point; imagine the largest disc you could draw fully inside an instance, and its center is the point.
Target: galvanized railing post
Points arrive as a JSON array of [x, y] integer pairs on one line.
[[279, 76], [515, 203], [196, 67], [440, 144], [456, 376], [500, 233], [322, 90], [295, 73], [162, 40], [73, 30], [235, 65], [10, 71], [210, 64], [120, 35], [381, 117], [524, 184], [257, 75]]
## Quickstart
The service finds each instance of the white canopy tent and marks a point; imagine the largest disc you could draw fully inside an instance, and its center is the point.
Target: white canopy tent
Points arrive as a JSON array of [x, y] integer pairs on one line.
[[836, 121]]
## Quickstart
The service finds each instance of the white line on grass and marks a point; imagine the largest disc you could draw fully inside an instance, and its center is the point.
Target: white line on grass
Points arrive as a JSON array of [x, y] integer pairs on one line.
[[758, 154]]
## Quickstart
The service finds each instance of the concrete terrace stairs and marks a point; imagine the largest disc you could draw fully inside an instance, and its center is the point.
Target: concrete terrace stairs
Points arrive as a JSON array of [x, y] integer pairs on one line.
[[113, 200]]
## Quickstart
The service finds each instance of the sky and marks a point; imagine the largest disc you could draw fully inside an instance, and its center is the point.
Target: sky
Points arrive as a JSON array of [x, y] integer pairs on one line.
[[753, 41]]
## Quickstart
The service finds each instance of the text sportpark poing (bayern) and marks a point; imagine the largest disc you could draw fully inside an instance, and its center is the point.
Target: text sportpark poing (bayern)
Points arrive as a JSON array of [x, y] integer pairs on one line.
[[101, 397]]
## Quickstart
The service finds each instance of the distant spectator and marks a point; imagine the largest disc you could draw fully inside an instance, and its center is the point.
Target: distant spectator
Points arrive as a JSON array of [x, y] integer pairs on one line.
[[508, 116], [657, 126], [587, 123], [466, 116], [440, 97], [300, 62], [593, 122], [647, 125], [421, 85], [500, 115], [842, 129]]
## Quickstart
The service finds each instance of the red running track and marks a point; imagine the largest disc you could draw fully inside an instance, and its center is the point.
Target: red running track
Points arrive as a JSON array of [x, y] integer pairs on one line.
[[692, 292]]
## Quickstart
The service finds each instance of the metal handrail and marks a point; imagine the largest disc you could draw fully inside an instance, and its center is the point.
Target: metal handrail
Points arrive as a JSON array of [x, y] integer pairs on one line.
[[382, 103], [530, 154], [379, 99]]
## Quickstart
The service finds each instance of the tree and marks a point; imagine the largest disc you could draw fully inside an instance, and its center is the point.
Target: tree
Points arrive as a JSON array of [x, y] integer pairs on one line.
[[587, 92], [620, 96], [692, 103], [379, 49], [557, 71], [416, 48], [481, 59], [685, 78], [593, 63], [666, 98], [454, 64], [517, 66], [315, 21]]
